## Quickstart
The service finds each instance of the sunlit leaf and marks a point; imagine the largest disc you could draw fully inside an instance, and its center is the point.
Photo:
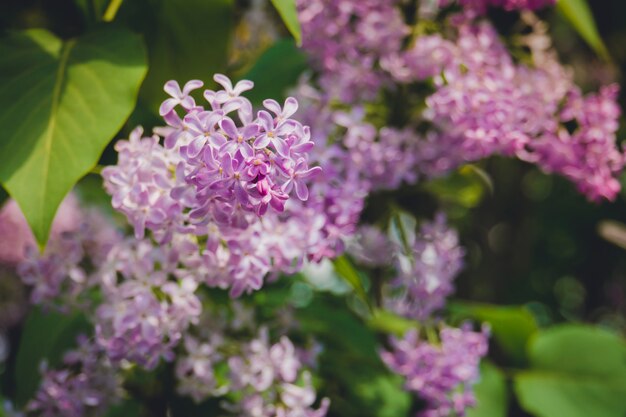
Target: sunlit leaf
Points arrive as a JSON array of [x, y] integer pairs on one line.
[[60, 104]]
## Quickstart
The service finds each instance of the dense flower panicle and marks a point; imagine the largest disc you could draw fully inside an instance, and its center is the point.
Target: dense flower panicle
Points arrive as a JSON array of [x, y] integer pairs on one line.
[[228, 177], [346, 39], [441, 374], [85, 387], [238, 169], [144, 316], [426, 275], [486, 104], [142, 182], [588, 156], [384, 157], [269, 379], [70, 266]]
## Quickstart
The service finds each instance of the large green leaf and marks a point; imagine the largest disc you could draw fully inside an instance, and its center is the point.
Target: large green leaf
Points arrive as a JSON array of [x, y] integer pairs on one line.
[[577, 371], [45, 336], [579, 15], [60, 104], [491, 393], [289, 14], [276, 70], [511, 327], [186, 39]]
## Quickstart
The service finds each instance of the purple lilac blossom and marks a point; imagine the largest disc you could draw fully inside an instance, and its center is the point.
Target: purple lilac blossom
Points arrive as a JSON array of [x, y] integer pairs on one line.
[[144, 316], [588, 156], [486, 104], [86, 386], [269, 378], [426, 274], [441, 373], [346, 39], [228, 184], [70, 265]]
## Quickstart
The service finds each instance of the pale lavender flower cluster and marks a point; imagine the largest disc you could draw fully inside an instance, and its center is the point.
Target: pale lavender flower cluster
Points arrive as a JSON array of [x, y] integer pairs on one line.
[[346, 40], [268, 379], [441, 373], [144, 316], [234, 169], [486, 104], [215, 177], [267, 375], [588, 156], [426, 274], [70, 266], [86, 386]]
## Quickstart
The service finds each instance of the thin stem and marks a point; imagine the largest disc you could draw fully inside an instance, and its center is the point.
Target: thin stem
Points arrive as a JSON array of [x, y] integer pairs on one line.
[[111, 11]]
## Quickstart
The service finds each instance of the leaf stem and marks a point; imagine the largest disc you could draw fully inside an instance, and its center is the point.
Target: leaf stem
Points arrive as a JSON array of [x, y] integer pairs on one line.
[[111, 10]]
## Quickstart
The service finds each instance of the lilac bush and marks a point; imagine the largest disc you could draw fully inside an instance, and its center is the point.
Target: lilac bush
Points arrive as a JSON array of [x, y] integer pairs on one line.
[[198, 290]]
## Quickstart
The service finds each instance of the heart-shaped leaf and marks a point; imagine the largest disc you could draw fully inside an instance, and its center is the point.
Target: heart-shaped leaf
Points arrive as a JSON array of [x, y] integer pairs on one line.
[[61, 102], [577, 371]]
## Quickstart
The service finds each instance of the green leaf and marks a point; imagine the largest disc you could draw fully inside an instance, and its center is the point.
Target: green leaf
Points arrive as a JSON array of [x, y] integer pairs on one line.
[[186, 40], [388, 322], [60, 104], [287, 11], [511, 327], [577, 371], [276, 70], [384, 394], [580, 17], [345, 270], [491, 393], [45, 336]]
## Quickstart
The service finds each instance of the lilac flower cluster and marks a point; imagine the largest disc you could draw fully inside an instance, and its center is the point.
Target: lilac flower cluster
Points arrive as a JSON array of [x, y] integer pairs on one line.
[[217, 180], [588, 156], [426, 274], [484, 102], [441, 373], [85, 386], [267, 379], [70, 266], [144, 316], [346, 40]]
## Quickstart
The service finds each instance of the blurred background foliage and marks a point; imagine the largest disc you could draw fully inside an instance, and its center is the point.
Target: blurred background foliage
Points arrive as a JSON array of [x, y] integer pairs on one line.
[[532, 240]]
